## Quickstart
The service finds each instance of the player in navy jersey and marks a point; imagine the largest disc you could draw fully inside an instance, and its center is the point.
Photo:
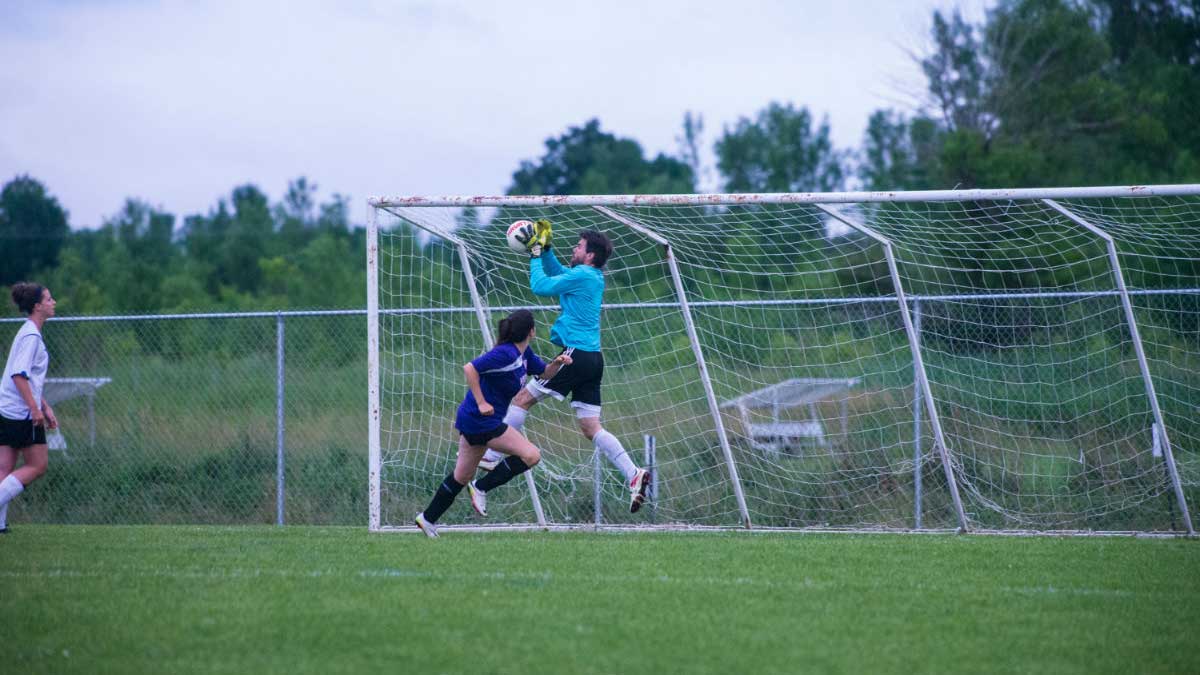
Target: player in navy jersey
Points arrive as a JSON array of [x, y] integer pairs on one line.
[[579, 290], [492, 381]]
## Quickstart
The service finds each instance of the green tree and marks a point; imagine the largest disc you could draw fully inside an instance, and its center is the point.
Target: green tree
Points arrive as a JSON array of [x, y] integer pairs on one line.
[[295, 216], [690, 141], [1052, 92], [780, 151], [1155, 47], [899, 153], [33, 229], [138, 254], [231, 242], [587, 160]]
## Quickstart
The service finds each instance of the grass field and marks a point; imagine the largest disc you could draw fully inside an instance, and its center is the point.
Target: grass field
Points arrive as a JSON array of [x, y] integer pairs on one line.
[[322, 600]]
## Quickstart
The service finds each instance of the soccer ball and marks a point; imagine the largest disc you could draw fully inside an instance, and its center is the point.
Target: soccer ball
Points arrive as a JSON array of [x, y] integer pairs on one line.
[[519, 226]]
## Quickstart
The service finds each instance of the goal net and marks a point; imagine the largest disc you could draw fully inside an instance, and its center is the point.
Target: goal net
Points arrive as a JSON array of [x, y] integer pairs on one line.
[[984, 360]]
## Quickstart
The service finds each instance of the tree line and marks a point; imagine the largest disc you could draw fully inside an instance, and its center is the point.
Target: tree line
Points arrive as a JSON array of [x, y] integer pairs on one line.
[[1040, 93]]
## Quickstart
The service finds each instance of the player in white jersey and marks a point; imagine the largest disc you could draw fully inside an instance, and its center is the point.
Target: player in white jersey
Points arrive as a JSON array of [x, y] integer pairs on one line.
[[24, 414]]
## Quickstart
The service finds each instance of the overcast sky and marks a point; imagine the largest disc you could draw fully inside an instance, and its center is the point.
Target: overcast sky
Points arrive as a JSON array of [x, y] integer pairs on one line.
[[177, 102]]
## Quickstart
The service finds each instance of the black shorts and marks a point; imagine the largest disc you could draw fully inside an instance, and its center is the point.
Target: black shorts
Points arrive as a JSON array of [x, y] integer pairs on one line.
[[18, 434], [483, 437], [581, 380]]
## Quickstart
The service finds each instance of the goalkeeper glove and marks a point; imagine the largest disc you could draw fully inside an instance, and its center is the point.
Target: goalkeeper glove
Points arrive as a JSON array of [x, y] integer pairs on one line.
[[541, 233], [525, 234]]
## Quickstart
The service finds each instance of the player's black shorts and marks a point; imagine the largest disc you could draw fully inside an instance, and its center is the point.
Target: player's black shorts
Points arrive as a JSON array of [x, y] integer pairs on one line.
[[21, 433], [580, 380], [483, 437]]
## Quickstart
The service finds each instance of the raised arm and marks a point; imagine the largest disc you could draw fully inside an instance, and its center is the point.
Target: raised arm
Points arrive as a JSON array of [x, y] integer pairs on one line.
[[542, 284], [550, 264]]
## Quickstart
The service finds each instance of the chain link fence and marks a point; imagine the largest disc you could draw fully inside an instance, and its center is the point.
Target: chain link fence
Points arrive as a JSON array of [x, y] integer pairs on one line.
[[262, 417], [215, 418]]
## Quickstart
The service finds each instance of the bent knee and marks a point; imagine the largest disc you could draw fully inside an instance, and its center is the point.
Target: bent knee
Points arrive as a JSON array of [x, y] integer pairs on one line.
[[589, 427], [532, 457]]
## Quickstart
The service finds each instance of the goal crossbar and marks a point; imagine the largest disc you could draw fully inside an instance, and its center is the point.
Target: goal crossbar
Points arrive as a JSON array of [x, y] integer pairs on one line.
[[1126, 191]]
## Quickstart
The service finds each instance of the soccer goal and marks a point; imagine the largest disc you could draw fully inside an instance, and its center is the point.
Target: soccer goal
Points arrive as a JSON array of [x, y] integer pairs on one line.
[[982, 360]]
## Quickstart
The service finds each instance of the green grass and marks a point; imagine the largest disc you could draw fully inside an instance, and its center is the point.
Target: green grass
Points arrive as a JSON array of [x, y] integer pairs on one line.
[[322, 600]]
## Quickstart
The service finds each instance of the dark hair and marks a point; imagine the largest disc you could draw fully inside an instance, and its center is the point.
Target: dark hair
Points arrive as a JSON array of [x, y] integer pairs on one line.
[[516, 327], [598, 245], [26, 295]]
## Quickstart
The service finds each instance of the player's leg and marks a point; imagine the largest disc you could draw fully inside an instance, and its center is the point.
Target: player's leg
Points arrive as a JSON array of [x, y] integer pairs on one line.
[[638, 479], [521, 404], [23, 437], [8, 459], [36, 458], [514, 418], [522, 456], [443, 497], [585, 399], [605, 442], [535, 390]]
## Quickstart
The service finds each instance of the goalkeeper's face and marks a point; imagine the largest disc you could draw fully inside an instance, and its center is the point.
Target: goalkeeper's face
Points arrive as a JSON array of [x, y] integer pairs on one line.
[[580, 255]]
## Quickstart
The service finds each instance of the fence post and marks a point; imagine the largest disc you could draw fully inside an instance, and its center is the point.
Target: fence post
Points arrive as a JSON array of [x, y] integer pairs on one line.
[[917, 421], [651, 465], [279, 486], [596, 475]]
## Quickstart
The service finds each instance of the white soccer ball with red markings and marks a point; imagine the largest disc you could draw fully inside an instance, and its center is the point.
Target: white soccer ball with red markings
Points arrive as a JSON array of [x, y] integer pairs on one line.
[[525, 229]]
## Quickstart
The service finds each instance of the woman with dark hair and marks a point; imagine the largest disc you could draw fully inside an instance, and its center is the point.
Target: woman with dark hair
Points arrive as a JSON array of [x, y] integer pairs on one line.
[[492, 380], [24, 415]]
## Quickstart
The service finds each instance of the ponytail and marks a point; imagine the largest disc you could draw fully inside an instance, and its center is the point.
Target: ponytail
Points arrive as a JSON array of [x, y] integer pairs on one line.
[[25, 295], [515, 327]]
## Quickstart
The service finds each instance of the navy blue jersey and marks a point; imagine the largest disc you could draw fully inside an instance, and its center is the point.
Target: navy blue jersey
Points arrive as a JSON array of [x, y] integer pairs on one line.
[[501, 374]]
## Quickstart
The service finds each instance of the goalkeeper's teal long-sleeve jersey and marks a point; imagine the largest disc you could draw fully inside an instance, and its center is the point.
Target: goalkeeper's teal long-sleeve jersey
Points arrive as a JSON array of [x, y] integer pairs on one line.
[[579, 290]]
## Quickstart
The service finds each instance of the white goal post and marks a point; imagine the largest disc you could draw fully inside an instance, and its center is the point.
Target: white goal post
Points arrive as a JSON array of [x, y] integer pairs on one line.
[[1019, 360]]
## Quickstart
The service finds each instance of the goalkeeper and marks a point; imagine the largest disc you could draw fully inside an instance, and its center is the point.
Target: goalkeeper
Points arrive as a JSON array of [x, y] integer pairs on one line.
[[577, 330]]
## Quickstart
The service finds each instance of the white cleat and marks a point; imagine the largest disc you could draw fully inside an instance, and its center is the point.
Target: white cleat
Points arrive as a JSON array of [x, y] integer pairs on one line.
[[478, 499], [427, 527], [637, 488]]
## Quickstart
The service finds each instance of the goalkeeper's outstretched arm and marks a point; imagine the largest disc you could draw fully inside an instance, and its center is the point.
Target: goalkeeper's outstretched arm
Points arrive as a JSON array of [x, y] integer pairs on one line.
[[547, 276], [545, 284], [539, 248], [550, 264]]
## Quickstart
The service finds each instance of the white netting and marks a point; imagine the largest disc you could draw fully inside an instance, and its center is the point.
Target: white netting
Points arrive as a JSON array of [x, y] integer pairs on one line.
[[1027, 349]]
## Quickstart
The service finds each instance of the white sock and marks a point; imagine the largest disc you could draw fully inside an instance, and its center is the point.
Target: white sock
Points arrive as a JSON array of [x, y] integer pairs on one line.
[[9, 487], [3, 516], [515, 418], [611, 447]]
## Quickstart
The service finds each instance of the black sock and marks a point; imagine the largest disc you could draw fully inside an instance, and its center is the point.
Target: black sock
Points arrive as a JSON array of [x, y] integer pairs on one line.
[[510, 468], [443, 498]]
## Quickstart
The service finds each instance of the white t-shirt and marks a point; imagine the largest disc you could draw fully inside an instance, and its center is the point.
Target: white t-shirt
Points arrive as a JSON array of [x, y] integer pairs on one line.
[[27, 357]]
